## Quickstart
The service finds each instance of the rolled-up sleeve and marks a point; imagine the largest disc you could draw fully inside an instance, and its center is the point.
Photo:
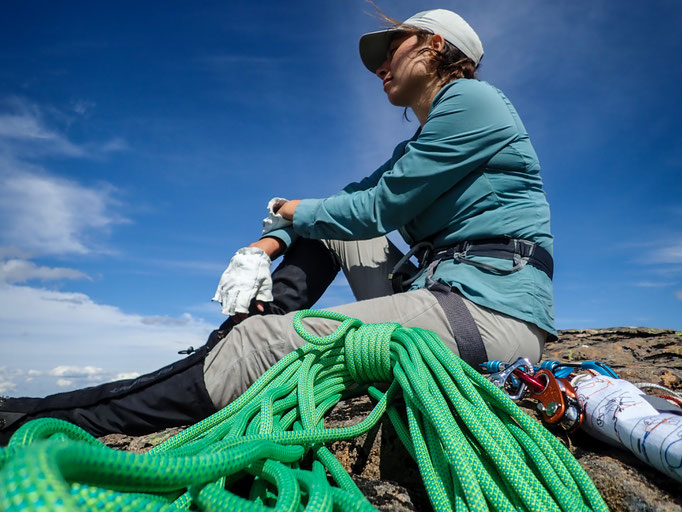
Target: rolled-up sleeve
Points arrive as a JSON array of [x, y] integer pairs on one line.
[[467, 125], [287, 235]]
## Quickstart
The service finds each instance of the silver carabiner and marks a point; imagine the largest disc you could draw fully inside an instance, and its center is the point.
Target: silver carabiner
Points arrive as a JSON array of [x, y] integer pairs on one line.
[[500, 378]]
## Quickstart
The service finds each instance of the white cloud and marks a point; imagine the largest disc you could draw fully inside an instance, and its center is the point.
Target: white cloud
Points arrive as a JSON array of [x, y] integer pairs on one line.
[[40, 213], [69, 336], [184, 319], [28, 130], [76, 371], [82, 107], [651, 284], [678, 294], [10, 252], [8, 379], [6, 385], [116, 144], [64, 383], [126, 375], [667, 254], [50, 215], [19, 271]]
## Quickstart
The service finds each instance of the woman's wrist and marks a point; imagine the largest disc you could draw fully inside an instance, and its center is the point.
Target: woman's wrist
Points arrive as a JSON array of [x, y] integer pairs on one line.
[[272, 246], [287, 209]]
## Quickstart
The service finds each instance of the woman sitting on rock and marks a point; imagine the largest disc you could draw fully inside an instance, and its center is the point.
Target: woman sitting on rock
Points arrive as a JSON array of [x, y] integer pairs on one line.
[[465, 194]]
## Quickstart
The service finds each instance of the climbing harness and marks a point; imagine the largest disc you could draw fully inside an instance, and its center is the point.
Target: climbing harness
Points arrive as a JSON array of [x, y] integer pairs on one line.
[[475, 449], [520, 252]]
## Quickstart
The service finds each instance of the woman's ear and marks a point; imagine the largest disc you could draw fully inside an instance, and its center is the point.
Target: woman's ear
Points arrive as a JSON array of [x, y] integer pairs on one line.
[[437, 42]]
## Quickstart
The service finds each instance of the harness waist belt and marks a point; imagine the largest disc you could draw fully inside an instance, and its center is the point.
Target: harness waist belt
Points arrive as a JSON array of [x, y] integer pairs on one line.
[[501, 247], [521, 252]]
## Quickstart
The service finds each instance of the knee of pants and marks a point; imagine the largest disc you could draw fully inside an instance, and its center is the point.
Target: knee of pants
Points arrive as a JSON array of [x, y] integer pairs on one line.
[[246, 353]]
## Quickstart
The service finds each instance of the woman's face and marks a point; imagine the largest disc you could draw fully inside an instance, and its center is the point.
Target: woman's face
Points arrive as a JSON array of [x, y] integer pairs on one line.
[[405, 74]]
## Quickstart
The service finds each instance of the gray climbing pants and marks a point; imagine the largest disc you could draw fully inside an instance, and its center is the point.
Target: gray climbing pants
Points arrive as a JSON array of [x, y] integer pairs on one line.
[[259, 342]]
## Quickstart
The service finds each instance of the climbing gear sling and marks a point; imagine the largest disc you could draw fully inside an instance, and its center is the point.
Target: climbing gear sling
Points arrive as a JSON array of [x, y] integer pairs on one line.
[[474, 447]]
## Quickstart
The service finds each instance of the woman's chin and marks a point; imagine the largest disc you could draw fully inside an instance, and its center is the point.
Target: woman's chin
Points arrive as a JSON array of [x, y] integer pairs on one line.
[[395, 99]]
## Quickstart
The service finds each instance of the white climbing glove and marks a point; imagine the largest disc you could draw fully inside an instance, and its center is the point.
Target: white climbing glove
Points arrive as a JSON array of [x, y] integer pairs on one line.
[[247, 277], [274, 220]]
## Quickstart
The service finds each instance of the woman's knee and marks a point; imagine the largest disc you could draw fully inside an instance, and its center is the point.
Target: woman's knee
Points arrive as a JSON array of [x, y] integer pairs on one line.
[[249, 350]]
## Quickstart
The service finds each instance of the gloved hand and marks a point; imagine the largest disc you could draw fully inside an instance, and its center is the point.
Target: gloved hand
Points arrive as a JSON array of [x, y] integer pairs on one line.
[[247, 277], [274, 220]]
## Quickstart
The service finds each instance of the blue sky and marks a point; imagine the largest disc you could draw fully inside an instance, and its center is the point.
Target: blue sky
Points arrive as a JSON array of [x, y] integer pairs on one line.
[[140, 143]]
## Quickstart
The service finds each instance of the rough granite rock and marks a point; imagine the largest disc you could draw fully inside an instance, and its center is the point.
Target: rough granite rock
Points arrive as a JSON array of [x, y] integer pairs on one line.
[[389, 478]]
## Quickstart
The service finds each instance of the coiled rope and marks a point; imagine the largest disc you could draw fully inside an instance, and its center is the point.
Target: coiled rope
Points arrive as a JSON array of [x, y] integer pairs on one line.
[[476, 450]]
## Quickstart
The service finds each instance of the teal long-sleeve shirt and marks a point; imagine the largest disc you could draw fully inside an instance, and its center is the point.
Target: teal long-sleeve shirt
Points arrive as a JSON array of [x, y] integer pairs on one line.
[[469, 173]]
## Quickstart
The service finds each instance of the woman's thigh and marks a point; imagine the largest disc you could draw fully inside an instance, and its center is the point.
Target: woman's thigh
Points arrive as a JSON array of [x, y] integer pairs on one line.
[[366, 264], [258, 342]]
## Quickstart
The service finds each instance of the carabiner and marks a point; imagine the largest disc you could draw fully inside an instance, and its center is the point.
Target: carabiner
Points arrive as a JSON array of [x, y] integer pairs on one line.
[[501, 378]]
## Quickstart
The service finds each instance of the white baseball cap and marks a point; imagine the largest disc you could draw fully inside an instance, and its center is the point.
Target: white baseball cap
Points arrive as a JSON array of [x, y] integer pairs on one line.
[[453, 28]]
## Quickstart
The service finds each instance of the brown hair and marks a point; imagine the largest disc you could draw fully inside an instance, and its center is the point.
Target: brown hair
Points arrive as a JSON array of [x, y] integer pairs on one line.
[[451, 63]]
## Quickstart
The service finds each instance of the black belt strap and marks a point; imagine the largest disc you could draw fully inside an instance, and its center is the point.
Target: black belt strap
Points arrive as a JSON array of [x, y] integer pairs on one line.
[[500, 247], [467, 335]]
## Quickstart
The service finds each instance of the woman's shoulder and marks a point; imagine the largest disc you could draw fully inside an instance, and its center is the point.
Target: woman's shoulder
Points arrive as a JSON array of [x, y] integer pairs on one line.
[[473, 103], [476, 97], [469, 88]]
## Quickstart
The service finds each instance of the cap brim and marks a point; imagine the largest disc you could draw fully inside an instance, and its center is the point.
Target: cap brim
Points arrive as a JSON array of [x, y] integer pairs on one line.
[[373, 48]]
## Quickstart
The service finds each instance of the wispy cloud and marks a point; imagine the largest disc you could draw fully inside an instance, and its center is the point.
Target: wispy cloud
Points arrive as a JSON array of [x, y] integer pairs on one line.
[[651, 284], [76, 371], [24, 126], [126, 375], [28, 130], [20, 271], [113, 145], [7, 383], [678, 294], [671, 253], [11, 252], [50, 215], [82, 106], [185, 319], [41, 213]]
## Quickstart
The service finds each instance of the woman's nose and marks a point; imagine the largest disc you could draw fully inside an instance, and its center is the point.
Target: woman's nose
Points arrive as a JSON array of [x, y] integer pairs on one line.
[[382, 70]]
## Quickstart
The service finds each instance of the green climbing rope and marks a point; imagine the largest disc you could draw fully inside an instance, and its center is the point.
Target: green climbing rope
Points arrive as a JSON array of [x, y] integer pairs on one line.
[[476, 450]]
